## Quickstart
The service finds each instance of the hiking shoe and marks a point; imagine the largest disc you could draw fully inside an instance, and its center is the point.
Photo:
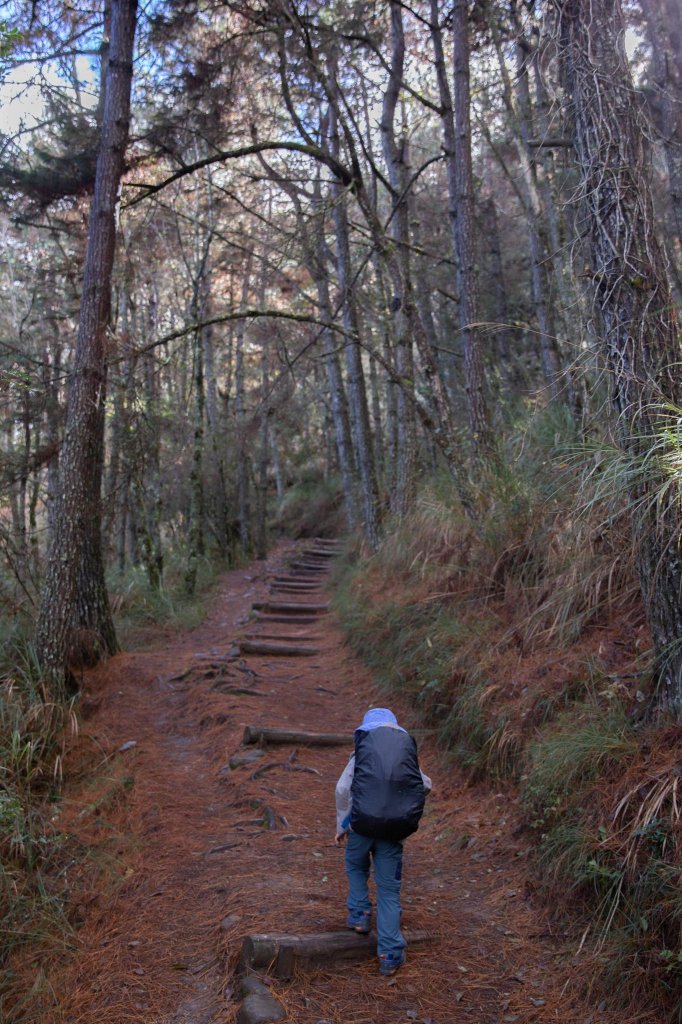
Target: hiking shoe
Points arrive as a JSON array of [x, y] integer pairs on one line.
[[360, 923], [390, 962]]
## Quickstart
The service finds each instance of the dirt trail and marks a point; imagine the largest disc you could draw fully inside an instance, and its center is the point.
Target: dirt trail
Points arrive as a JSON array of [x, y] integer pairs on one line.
[[202, 869]]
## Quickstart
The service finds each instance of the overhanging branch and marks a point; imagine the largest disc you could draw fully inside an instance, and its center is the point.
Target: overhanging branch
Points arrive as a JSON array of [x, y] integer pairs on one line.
[[222, 155]]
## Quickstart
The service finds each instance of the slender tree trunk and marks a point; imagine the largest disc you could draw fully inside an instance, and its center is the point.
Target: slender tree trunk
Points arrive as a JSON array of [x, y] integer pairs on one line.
[[150, 498], [501, 306], [243, 498], [196, 480], [75, 558], [456, 124], [337, 394], [356, 379], [640, 344], [403, 491]]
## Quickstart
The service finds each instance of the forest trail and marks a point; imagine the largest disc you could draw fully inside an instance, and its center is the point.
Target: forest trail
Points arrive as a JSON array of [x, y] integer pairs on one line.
[[204, 867]]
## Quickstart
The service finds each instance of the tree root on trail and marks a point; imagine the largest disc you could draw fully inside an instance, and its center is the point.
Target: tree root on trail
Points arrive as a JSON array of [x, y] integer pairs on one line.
[[285, 765]]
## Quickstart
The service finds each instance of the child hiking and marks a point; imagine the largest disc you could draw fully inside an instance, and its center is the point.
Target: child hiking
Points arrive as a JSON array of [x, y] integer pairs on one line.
[[379, 801]]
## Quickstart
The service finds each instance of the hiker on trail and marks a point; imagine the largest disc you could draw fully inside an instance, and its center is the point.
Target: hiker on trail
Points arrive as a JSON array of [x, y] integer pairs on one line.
[[379, 801]]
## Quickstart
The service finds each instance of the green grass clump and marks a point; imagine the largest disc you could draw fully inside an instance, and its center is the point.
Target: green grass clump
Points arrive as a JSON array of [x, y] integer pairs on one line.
[[581, 746]]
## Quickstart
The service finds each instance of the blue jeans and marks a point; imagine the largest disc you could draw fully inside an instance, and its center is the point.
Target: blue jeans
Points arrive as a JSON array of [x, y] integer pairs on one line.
[[388, 867]]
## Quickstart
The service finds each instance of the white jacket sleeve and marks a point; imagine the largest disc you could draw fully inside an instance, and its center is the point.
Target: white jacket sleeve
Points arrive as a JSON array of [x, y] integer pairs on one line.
[[427, 782], [343, 799]]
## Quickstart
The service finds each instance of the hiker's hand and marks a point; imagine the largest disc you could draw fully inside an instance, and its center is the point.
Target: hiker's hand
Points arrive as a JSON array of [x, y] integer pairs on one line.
[[339, 838]]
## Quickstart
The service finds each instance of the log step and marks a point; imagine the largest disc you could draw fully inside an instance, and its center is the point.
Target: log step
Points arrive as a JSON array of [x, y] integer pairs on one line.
[[292, 620], [284, 637], [265, 734], [303, 580], [279, 953], [318, 553], [289, 606], [286, 588], [320, 569], [278, 650]]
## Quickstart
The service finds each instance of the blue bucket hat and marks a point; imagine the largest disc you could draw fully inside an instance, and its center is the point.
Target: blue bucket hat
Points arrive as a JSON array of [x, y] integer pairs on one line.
[[376, 717]]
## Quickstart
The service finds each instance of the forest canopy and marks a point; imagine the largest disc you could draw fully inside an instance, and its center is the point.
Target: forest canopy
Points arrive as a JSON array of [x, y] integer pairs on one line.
[[254, 248]]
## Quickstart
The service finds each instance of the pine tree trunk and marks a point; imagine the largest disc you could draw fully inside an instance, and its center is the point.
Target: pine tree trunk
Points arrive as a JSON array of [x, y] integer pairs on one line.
[[195, 536], [664, 25], [403, 491], [501, 306], [337, 394], [357, 393], [75, 558], [640, 343], [455, 119], [243, 497]]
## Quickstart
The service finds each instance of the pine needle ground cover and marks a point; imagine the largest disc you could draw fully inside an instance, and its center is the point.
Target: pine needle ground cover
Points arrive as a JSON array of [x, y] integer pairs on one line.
[[518, 638]]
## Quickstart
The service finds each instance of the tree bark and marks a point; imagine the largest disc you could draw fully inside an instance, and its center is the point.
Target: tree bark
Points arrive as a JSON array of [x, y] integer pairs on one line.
[[640, 343], [75, 553], [356, 379], [456, 125]]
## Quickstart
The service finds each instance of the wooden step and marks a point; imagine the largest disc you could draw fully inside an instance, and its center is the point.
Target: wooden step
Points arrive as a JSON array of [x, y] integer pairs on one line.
[[310, 567], [295, 737], [292, 620], [276, 650], [296, 578], [284, 637], [295, 608], [279, 954]]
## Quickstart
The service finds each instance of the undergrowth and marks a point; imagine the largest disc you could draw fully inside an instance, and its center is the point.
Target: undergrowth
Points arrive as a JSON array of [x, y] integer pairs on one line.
[[41, 864], [137, 606], [312, 507], [518, 633], [34, 855]]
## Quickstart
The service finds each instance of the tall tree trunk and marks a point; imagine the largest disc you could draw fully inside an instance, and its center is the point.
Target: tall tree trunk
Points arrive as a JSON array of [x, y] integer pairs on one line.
[[357, 393], [664, 26], [243, 498], [337, 393], [150, 497], [196, 479], [501, 306], [641, 347], [403, 491], [456, 124], [75, 558]]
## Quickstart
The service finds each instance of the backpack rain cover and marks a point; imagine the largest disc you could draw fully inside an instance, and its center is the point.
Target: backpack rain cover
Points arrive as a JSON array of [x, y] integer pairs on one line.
[[387, 791]]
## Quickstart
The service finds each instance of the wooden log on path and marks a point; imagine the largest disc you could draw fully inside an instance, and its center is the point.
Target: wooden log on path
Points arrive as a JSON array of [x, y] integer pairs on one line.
[[297, 578], [301, 585], [279, 953], [327, 541], [286, 588], [311, 567], [267, 734], [318, 553], [278, 650], [284, 637], [290, 606], [292, 620]]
